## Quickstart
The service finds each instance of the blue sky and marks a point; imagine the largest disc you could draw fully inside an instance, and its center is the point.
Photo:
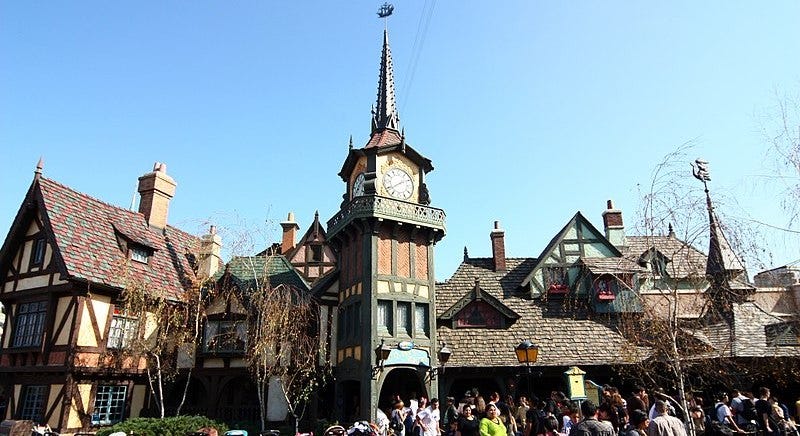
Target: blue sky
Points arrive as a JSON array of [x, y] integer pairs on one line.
[[530, 111]]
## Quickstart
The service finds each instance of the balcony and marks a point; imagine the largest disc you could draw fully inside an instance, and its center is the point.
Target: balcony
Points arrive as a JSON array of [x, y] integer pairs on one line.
[[387, 208]]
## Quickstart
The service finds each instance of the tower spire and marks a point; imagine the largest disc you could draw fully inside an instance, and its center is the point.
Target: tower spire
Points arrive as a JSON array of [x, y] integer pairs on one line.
[[385, 114]]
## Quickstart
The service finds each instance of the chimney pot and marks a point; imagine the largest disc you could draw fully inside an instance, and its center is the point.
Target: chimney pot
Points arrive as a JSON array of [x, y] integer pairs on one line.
[[210, 253], [156, 190], [613, 225], [290, 229], [498, 247]]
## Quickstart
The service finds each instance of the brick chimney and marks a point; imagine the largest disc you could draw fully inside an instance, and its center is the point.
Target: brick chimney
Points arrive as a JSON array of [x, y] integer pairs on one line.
[[209, 256], [156, 190], [498, 247], [612, 223], [290, 229]]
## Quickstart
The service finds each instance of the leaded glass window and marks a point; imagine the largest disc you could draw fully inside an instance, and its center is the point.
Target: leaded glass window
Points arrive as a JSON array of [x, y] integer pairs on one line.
[[404, 318], [109, 404], [122, 332], [29, 324], [32, 403], [421, 319]]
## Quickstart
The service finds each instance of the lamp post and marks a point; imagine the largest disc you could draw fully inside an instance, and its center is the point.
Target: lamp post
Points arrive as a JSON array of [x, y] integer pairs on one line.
[[527, 352], [444, 356], [381, 354]]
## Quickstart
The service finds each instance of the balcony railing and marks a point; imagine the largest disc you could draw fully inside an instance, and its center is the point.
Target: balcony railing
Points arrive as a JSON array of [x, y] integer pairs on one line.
[[382, 207]]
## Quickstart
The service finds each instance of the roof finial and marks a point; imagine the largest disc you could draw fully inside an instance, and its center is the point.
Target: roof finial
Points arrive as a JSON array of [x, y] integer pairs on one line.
[[385, 113], [350, 147], [671, 233], [39, 167], [466, 253]]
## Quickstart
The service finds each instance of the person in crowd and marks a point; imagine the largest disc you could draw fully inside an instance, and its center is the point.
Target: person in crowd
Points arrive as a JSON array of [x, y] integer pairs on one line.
[[664, 424], [532, 419], [551, 426], [590, 425], [480, 407], [736, 405], [607, 412], [723, 413], [467, 423], [521, 414], [397, 418], [570, 418], [764, 411], [494, 397], [698, 419], [784, 426], [638, 401], [428, 418], [450, 413], [491, 425], [637, 424]]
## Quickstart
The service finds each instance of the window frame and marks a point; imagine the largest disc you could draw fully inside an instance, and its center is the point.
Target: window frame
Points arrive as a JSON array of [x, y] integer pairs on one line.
[[28, 407], [38, 251], [235, 327], [138, 253], [384, 319], [29, 324], [422, 330], [111, 396], [122, 337]]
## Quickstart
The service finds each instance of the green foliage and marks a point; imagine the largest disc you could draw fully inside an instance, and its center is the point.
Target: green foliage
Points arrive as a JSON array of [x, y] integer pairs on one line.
[[171, 426]]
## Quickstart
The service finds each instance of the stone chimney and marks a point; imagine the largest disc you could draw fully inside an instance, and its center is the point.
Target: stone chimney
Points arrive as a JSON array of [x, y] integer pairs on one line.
[[498, 247], [290, 229], [210, 257], [612, 222], [156, 190]]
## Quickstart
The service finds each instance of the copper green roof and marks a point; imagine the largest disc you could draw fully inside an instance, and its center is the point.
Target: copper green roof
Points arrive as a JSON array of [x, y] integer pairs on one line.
[[250, 272]]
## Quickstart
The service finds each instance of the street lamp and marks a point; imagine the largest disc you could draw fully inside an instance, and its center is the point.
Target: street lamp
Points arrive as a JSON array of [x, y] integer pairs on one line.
[[381, 354], [527, 352], [444, 356]]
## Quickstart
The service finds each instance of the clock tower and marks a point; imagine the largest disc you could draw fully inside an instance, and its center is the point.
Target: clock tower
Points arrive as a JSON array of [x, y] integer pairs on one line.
[[384, 340]]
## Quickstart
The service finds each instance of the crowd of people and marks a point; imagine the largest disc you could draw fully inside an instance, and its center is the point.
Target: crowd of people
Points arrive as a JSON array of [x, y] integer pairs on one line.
[[638, 415]]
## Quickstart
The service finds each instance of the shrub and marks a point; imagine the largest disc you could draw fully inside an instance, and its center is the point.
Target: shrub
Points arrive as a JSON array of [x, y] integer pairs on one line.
[[171, 426]]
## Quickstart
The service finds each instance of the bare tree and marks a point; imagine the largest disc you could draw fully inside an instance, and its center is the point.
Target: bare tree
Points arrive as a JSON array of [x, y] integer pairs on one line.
[[161, 325]]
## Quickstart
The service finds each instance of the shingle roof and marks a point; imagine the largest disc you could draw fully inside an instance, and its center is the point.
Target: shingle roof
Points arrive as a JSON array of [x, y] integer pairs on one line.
[[612, 265], [685, 260], [565, 337], [85, 231], [246, 271]]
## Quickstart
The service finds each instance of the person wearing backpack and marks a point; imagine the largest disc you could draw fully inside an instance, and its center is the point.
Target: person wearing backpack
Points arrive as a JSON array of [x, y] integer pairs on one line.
[[723, 413]]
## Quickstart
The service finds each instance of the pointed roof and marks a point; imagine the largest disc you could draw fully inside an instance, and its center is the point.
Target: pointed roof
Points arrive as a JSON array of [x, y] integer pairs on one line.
[[576, 219], [384, 115], [84, 233], [721, 258]]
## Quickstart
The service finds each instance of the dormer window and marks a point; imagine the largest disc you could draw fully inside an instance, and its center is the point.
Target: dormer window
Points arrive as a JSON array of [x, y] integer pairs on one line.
[[139, 254]]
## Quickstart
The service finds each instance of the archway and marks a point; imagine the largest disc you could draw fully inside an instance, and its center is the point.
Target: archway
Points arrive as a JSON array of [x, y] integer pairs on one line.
[[404, 382], [196, 402], [238, 400]]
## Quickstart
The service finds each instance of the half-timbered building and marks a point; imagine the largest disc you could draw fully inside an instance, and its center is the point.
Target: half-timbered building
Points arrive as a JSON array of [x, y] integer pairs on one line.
[[63, 265]]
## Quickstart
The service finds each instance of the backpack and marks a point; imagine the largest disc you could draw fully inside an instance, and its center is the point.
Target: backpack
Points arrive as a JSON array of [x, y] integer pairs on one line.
[[749, 410]]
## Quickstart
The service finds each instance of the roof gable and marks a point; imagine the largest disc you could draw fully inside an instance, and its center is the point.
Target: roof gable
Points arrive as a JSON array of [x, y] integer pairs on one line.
[[477, 294], [84, 235], [577, 239]]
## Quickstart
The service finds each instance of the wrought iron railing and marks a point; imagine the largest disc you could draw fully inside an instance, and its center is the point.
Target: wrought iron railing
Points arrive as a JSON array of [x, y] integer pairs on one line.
[[382, 207]]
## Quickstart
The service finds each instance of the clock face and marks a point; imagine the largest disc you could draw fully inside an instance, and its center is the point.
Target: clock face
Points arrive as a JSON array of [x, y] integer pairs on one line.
[[398, 183], [358, 185]]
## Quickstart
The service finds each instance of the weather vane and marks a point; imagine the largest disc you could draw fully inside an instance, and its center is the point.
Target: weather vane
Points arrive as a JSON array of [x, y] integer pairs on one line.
[[700, 171], [385, 10]]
